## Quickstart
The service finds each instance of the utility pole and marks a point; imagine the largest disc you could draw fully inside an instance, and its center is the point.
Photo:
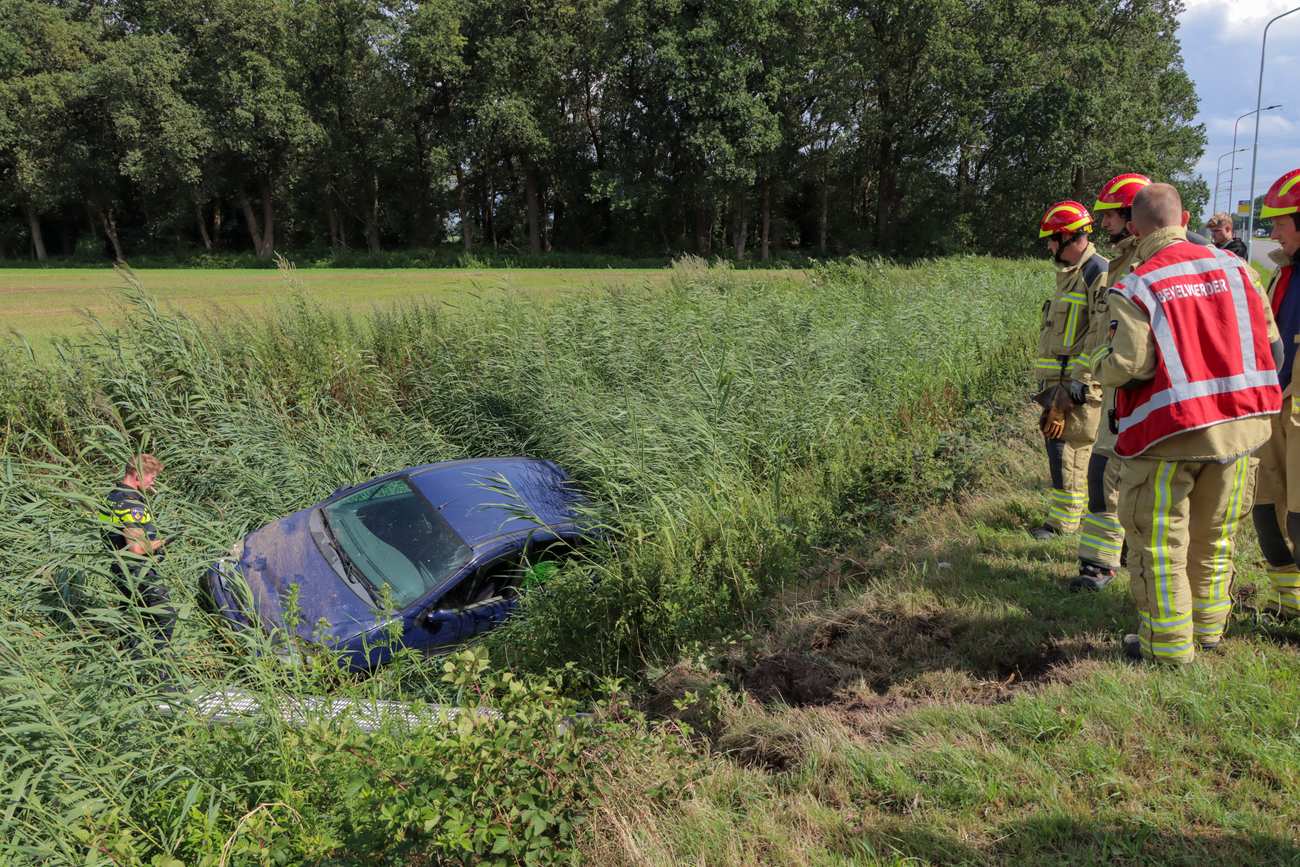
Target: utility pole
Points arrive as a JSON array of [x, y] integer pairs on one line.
[[1231, 201], [1215, 206], [1254, 156]]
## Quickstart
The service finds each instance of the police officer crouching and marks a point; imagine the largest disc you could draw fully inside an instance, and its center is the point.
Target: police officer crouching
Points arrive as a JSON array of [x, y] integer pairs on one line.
[[132, 538]]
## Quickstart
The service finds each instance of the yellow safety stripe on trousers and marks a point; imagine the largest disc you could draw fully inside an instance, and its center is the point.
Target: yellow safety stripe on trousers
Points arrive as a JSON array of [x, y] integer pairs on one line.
[[1102, 522], [1063, 496], [1209, 606], [1162, 501], [1215, 629], [1221, 557], [1284, 578], [1286, 584], [1099, 544], [1166, 649], [1164, 624]]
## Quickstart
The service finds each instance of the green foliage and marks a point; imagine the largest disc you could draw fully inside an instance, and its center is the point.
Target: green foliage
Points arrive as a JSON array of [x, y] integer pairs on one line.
[[724, 427], [511, 125]]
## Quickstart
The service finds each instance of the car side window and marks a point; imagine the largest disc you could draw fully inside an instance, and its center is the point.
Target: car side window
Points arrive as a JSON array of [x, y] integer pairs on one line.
[[501, 577]]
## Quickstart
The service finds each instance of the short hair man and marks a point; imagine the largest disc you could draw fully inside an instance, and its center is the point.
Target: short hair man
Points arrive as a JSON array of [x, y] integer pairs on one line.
[[1220, 226], [1277, 504], [1191, 356], [133, 540]]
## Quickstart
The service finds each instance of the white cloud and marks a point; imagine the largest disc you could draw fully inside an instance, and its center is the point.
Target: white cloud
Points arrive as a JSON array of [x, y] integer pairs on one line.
[[1240, 19]]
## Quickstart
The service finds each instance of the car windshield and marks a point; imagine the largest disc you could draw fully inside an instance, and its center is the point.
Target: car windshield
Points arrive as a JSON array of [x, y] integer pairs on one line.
[[396, 539]]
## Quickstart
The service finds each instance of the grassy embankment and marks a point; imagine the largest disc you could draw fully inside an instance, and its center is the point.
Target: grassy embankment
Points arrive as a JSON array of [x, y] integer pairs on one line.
[[733, 427], [954, 704]]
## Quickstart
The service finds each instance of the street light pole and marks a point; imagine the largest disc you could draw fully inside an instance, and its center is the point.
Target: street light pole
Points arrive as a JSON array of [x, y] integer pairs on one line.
[[1215, 207], [1254, 155], [1234, 144]]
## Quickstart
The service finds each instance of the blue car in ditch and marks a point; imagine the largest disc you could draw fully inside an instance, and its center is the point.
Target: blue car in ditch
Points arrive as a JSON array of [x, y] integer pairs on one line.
[[435, 554]]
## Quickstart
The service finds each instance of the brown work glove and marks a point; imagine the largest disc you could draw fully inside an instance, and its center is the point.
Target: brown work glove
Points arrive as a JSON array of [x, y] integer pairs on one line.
[[1056, 403]]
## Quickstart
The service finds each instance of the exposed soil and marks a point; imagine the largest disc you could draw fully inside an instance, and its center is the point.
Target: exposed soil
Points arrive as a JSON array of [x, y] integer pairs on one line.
[[863, 658]]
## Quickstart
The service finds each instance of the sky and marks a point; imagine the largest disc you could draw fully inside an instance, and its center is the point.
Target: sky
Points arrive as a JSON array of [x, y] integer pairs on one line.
[[1221, 42]]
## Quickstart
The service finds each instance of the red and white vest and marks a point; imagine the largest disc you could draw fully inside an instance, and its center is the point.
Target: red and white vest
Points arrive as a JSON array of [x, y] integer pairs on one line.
[[1213, 359]]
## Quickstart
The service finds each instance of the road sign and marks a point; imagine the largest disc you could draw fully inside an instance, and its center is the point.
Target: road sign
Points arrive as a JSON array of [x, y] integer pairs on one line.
[[1243, 207]]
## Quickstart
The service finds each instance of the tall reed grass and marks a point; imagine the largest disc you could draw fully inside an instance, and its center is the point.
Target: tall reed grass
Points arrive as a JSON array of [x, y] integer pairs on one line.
[[724, 426]]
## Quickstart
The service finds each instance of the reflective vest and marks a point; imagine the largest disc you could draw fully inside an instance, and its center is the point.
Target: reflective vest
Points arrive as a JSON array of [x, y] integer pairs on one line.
[[1213, 361]]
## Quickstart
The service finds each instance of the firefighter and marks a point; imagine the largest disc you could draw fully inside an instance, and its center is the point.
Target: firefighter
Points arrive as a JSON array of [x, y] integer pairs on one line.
[[1101, 540], [1191, 358], [135, 545], [1071, 399], [1277, 506]]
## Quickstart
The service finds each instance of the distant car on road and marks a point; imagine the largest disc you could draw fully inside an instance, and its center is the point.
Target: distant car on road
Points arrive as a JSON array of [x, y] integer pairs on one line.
[[1261, 233], [435, 552]]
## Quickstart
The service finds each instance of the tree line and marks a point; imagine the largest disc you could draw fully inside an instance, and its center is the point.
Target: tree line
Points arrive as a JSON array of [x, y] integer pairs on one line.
[[737, 127]]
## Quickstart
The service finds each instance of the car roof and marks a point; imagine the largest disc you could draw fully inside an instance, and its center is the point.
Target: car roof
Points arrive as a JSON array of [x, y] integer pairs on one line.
[[487, 498]]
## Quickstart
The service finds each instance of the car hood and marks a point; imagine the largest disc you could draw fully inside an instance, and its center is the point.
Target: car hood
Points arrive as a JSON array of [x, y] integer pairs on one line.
[[283, 554]]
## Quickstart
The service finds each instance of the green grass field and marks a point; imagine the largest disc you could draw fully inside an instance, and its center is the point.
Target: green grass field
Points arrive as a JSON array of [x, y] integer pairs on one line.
[[40, 303]]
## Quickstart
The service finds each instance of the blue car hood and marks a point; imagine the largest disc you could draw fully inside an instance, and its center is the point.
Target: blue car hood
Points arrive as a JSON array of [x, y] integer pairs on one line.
[[283, 553]]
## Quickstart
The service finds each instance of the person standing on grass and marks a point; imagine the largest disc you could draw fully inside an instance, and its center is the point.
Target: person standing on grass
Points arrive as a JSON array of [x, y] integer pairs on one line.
[[1220, 226], [1072, 401], [1101, 539], [1277, 506], [133, 540], [1191, 356]]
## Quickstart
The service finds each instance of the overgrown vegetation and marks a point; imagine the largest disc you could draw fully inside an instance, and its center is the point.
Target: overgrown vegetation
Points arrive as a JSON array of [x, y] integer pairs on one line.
[[727, 425]]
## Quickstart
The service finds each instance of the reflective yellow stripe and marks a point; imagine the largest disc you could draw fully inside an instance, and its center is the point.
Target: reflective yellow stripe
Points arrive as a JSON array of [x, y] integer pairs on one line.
[[1167, 649], [1100, 544], [1164, 624], [1222, 556], [1160, 535]]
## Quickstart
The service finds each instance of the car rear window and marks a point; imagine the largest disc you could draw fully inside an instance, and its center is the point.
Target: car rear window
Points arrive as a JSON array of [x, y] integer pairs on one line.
[[396, 539]]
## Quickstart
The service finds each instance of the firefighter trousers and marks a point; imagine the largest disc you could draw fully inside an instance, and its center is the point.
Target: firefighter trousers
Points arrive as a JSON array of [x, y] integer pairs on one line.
[[1101, 537], [1277, 506], [1067, 461], [1181, 520]]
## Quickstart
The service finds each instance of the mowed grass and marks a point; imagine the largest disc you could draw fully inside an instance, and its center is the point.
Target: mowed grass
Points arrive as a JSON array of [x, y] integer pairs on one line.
[[955, 704], [42, 303]]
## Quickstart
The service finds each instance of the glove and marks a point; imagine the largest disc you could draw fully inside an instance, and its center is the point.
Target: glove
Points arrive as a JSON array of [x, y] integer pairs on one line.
[[1078, 392], [1056, 404]]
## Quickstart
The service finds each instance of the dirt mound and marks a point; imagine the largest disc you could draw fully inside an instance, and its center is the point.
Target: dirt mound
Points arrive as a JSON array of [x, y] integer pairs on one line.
[[794, 678], [889, 659]]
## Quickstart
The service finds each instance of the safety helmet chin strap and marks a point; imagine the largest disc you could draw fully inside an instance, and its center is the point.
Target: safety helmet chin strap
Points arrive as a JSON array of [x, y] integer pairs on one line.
[[1127, 214], [1061, 245]]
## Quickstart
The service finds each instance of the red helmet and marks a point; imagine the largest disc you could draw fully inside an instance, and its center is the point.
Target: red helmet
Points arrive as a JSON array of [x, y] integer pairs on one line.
[[1283, 197], [1120, 190], [1066, 218]]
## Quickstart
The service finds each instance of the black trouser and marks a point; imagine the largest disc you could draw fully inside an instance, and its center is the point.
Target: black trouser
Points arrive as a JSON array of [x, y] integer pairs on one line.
[[148, 595]]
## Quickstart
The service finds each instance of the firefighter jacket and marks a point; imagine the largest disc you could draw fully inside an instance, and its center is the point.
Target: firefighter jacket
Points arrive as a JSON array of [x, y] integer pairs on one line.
[[1064, 329], [1285, 307], [1190, 354], [1098, 328]]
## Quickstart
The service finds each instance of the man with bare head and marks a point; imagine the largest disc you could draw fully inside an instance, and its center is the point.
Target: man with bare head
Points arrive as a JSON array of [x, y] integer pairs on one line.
[[1191, 356], [1220, 226], [136, 547]]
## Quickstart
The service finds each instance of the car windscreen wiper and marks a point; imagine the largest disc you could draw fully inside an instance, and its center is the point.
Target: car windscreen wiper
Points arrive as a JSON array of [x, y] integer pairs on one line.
[[354, 575]]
